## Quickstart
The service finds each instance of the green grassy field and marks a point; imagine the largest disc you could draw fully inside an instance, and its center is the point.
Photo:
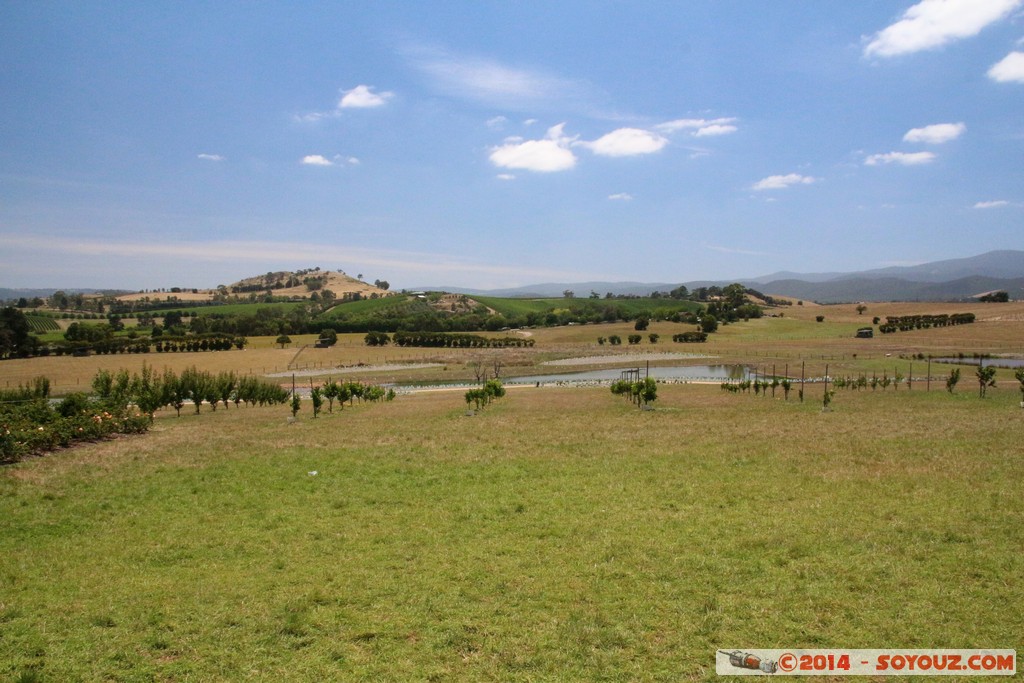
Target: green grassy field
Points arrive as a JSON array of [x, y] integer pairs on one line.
[[560, 535], [515, 545], [228, 309], [631, 307]]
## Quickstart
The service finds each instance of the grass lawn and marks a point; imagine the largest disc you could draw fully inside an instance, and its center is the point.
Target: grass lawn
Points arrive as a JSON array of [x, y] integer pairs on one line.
[[559, 535]]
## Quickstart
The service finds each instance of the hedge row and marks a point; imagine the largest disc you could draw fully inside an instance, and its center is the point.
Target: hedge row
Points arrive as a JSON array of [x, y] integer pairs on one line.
[[906, 323]]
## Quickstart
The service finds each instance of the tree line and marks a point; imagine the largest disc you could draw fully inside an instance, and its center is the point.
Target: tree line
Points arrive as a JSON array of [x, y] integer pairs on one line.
[[905, 323], [445, 340]]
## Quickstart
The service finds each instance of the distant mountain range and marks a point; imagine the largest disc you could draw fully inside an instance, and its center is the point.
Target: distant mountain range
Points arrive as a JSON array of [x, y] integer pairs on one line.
[[951, 280]]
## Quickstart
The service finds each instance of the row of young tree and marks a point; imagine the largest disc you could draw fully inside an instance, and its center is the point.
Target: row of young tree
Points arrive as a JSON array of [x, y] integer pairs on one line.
[[449, 340], [150, 391], [341, 392], [165, 344], [691, 337], [641, 392], [985, 375], [482, 396]]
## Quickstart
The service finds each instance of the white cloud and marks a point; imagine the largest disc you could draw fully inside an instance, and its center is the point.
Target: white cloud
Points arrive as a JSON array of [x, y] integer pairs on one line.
[[902, 158], [363, 97], [541, 156], [497, 122], [781, 182], [714, 129], [621, 197], [935, 134], [626, 142], [699, 127], [210, 157], [1010, 69], [933, 23], [992, 205], [316, 160], [506, 176]]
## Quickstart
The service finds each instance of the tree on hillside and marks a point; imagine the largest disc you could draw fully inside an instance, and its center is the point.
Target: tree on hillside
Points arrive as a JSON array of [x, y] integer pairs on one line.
[[381, 284], [283, 339], [59, 299]]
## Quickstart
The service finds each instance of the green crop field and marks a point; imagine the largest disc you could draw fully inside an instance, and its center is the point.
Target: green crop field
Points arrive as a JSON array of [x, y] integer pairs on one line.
[[398, 305], [229, 309], [41, 324], [630, 307], [560, 534]]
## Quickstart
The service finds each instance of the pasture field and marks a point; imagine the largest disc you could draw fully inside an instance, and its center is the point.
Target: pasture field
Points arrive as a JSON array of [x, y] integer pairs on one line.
[[520, 307], [766, 343], [228, 309], [560, 534]]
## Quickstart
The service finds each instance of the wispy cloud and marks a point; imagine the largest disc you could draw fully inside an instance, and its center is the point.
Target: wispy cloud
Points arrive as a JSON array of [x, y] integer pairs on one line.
[[494, 84], [210, 157], [227, 251], [621, 197], [321, 160], [781, 182], [1010, 69], [931, 24], [626, 142], [935, 134], [548, 155], [995, 204], [699, 127], [900, 158]]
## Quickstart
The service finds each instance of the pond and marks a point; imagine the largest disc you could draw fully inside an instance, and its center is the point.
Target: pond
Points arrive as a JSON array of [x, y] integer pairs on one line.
[[693, 373], [994, 362]]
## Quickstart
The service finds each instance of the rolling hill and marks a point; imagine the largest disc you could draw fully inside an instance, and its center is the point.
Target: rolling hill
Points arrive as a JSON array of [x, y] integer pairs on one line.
[[949, 280]]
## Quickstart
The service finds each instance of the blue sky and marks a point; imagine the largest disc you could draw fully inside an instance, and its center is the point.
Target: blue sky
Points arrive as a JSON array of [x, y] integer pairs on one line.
[[485, 144]]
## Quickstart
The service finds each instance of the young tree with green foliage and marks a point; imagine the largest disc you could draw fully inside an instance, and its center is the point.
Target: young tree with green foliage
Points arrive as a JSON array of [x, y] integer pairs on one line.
[[330, 390], [986, 378], [316, 395], [951, 381], [282, 340]]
